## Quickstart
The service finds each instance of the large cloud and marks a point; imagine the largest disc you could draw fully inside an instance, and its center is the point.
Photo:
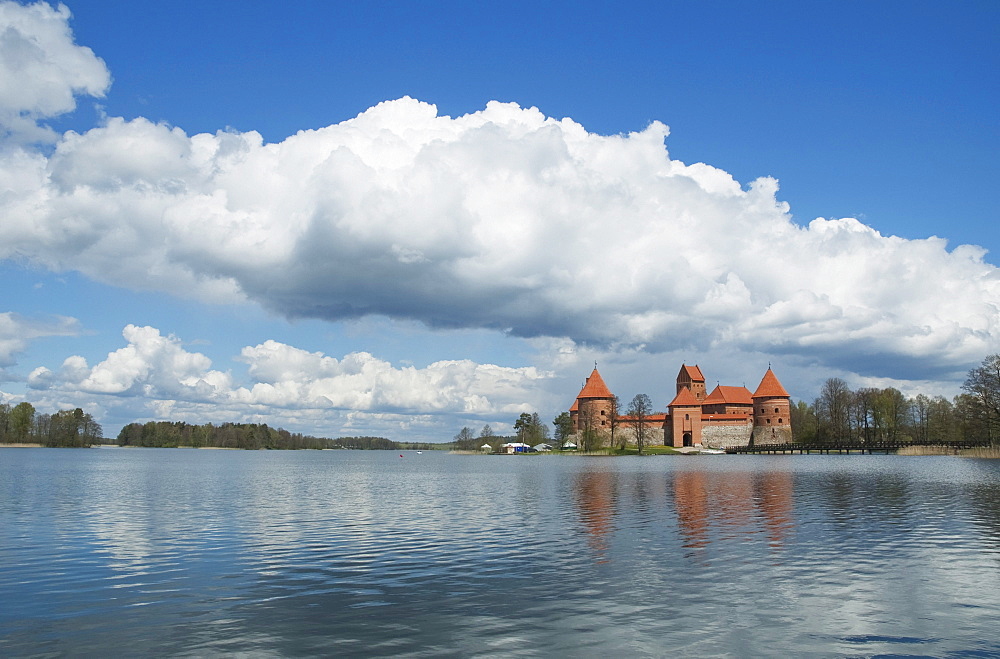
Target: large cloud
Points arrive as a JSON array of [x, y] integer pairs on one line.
[[42, 69], [503, 219], [156, 367]]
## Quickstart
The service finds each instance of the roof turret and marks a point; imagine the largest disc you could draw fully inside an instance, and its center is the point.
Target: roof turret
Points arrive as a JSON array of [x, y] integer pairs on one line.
[[769, 387], [595, 387], [692, 373]]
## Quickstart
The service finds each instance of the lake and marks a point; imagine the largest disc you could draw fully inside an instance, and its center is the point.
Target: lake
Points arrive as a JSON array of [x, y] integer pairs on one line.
[[182, 552]]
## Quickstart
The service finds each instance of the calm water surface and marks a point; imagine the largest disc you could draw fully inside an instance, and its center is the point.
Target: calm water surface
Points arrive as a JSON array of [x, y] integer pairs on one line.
[[174, 552]]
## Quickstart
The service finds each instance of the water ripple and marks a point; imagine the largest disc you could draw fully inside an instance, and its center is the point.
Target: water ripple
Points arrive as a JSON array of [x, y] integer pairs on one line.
[[202, 553]]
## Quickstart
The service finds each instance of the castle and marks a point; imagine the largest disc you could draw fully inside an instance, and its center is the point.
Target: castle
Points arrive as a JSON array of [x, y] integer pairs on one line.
[[729, 416]]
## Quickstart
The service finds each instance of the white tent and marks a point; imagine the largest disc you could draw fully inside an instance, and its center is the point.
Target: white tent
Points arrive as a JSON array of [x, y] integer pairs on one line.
[[486, 448]]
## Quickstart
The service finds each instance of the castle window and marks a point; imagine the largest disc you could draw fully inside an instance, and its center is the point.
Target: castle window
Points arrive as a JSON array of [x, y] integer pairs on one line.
[[776, 410], [603, 413], [687, 417], [779, 420], [769, 421]]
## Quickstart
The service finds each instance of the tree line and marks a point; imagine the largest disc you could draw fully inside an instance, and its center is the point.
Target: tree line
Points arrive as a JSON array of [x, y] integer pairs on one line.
[[872, 414], [21, 424], [248, 436]]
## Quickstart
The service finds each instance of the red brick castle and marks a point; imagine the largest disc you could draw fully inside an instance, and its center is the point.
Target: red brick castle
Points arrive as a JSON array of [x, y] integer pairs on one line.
[[729, 416]]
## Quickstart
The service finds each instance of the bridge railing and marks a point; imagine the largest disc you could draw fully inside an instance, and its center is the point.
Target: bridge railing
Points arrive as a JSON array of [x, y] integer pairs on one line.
[[867, 447]]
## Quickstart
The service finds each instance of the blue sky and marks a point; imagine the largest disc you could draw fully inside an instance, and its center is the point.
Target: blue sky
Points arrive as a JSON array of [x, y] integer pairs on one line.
[[481, 258]]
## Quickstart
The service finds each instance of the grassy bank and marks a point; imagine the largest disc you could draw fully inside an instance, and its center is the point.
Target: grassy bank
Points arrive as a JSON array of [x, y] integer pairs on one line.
[[649, 450]]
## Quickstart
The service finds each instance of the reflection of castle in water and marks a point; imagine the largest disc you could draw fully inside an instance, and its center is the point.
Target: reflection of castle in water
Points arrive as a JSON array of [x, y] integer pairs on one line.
[[736, 503], [595, 497], [709, 506]]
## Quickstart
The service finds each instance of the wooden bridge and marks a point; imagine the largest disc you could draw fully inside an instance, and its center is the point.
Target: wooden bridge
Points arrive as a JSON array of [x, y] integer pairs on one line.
[[844, 447]]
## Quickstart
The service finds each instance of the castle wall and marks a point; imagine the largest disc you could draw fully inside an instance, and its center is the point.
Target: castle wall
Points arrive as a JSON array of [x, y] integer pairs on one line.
[[723, 435], [772, 435], [654, 434]]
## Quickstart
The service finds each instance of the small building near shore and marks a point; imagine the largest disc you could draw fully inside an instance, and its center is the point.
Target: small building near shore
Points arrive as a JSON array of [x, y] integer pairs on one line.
[[515, 447]]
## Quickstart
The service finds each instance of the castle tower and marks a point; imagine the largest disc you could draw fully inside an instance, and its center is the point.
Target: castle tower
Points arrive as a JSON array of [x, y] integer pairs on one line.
[[772, 409], [690, 378], [593, 405], [685, 419]]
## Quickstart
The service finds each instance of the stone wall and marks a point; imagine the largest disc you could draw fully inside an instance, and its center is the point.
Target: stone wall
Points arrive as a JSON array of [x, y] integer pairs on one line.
[[654, 436], [772, 435], [713, 436]]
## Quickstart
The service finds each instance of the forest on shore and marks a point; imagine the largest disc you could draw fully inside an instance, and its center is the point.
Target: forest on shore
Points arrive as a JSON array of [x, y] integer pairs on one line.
[[21, 424], [249, 436]]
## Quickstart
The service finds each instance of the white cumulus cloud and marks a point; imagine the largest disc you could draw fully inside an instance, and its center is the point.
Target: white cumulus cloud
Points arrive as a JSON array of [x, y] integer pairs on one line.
[[158, 367], [502, 219], [42, 69]]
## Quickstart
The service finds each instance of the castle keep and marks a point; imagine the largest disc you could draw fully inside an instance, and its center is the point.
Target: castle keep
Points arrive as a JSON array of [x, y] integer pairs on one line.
[[729, 416]]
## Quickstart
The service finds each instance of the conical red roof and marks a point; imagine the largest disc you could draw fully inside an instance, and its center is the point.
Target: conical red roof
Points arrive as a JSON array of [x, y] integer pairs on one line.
[[595, 387], [685, 399], [769, 387]]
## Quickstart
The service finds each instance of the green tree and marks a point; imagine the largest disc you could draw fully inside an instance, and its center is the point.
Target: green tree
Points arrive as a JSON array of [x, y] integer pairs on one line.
[[973, 421], [563, 428], [521, 427], [804, 424], [22, 418], [891, 409], [942, 421], [530, 429], [4, 422]]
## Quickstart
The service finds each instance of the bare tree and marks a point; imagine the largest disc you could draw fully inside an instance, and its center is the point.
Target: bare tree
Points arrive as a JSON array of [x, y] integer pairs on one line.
[[983, 385], [833, 410], [638, 412], [615, 420]]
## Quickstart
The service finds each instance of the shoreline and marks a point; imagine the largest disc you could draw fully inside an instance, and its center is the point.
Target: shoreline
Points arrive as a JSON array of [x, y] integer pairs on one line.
[[992, 452]]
